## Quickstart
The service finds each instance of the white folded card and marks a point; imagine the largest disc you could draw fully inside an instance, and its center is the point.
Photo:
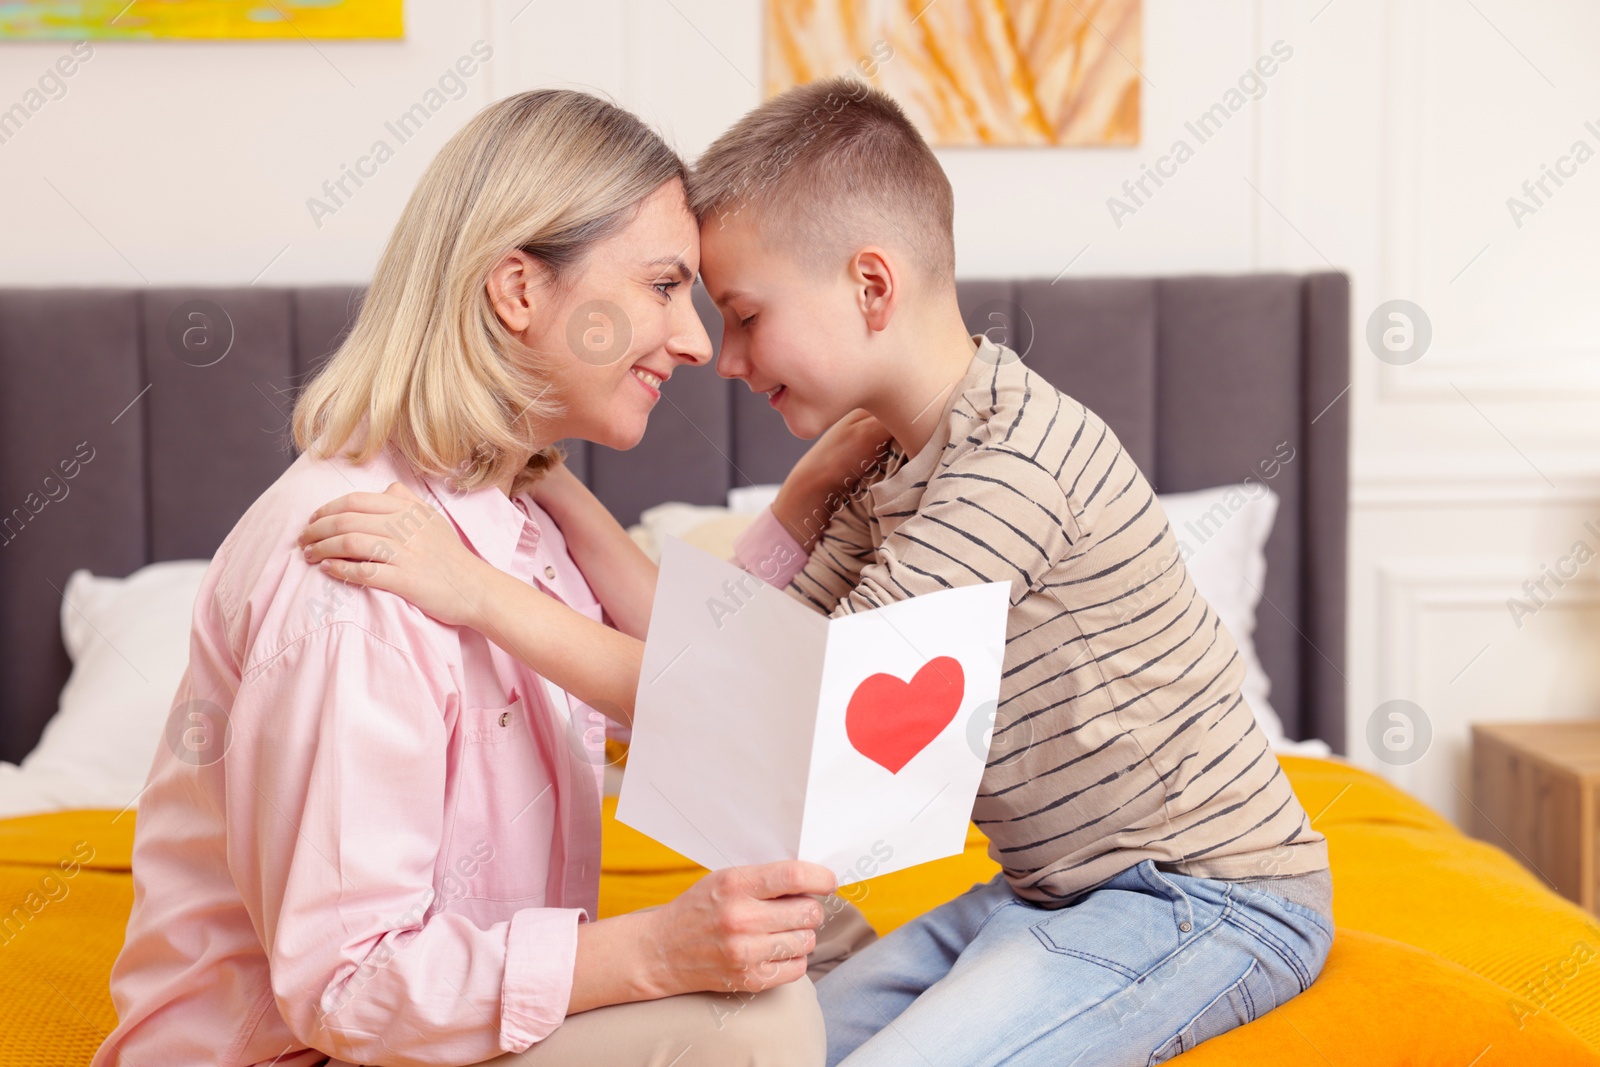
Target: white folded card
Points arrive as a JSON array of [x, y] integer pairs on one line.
[[765, 731]]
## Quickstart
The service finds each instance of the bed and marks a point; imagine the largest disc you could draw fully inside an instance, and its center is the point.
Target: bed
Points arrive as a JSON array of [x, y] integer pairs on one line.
[[1448, 951]]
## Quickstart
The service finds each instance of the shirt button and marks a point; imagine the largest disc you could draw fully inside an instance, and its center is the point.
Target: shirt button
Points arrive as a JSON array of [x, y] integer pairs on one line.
[[549, 572], [1185, 926], [505, 720]]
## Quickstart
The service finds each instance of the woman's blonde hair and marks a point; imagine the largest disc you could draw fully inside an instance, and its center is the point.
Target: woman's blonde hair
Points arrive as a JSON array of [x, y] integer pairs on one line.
[[429, 367]]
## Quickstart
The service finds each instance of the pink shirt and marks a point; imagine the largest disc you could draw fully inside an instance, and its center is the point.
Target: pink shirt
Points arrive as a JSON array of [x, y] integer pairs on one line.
[[368, 834]]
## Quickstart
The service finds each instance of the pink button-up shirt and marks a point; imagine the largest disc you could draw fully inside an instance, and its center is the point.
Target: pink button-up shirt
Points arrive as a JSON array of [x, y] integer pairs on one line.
[[368, 834]]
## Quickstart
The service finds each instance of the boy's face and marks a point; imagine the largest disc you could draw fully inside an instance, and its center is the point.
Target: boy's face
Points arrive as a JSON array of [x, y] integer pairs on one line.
[[791, 329]]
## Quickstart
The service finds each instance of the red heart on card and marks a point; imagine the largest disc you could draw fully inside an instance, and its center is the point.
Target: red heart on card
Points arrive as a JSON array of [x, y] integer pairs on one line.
[[889, 721]]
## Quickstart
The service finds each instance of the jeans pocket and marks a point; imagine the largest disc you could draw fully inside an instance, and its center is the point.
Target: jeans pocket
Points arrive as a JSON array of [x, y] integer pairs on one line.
[[1128, 924], [1244, 1001]]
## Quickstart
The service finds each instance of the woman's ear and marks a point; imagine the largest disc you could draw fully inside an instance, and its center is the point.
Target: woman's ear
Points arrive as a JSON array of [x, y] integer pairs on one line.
[[513, 286], [877, 283]]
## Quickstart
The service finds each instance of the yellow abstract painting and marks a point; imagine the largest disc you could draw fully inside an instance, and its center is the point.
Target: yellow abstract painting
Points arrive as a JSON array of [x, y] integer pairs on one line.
[[975, 72], [199, 19]]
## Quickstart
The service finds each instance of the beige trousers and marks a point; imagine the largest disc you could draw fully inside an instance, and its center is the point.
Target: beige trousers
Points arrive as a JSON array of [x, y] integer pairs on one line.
[[779, 1027]]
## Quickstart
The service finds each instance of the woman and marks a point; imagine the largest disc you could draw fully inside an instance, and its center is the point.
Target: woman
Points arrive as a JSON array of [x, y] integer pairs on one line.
[[387, 851]]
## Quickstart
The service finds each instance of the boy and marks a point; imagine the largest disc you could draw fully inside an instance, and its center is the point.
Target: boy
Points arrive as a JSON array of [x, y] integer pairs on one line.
[[1161, 883]]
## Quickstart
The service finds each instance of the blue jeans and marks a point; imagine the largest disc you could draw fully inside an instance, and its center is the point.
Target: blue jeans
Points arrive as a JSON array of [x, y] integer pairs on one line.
[[1143, 967]]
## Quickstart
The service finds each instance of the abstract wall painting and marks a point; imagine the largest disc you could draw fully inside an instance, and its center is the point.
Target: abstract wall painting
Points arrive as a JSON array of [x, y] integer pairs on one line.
[[975, 72], [113, 20]]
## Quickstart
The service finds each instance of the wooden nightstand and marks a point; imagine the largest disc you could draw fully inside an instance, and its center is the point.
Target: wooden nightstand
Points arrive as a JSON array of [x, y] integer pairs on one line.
[[1536, 794]]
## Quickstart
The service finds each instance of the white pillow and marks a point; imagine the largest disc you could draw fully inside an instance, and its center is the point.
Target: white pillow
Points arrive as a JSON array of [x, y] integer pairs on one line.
[[129, 643], [672, 519], [1222, 535], [751, 499]]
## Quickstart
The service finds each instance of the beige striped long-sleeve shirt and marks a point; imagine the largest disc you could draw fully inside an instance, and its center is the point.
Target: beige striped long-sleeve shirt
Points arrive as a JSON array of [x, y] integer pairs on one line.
[[1121, 734]]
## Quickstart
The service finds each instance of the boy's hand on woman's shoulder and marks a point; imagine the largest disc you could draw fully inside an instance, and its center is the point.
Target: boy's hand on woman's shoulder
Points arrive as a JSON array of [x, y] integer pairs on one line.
[[848, 452], [397, 542]]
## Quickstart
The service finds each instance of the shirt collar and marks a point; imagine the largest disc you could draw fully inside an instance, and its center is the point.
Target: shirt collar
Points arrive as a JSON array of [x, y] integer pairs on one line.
[[989, 366], [499, 531]]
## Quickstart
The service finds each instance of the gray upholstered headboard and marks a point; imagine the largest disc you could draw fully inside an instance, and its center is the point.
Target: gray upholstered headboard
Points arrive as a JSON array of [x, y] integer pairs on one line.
[[1205, 379]]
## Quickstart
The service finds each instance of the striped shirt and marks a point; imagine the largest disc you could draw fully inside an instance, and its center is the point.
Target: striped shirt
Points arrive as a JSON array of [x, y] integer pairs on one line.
[[1121, 734]]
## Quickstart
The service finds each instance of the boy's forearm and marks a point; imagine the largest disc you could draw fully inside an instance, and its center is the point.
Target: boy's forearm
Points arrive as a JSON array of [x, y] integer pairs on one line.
[[622, 576], [802, 508], [833, 468], [587, 658]]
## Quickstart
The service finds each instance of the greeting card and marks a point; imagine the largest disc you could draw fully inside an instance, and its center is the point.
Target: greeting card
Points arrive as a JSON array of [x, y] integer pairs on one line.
[[764, 730]]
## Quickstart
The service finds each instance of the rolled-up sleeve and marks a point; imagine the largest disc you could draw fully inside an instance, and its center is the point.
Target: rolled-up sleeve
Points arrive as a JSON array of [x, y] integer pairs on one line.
[[768, 551], [989, 515], [336, 786]]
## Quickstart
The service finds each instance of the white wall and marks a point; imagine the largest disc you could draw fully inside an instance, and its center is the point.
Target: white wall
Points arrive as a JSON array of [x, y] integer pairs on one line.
[[195, 161], [1479, 464], [1385, 146]]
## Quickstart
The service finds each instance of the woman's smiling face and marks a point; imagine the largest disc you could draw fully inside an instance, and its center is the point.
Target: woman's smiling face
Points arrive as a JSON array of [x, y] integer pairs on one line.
[[618, 326]]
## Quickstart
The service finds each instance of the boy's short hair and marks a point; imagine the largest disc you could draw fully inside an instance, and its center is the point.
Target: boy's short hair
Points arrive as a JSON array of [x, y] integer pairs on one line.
[[826, 167]]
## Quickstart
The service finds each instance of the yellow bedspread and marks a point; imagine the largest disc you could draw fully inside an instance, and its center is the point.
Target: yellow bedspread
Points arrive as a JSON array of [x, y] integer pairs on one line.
[[1448, 951]]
